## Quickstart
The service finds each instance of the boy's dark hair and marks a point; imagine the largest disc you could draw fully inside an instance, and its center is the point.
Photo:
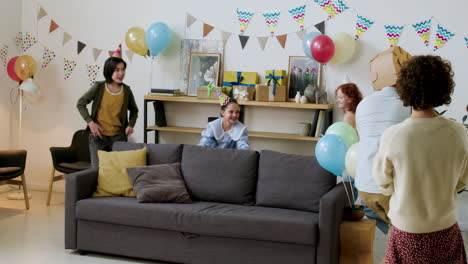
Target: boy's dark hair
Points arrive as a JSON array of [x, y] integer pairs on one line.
[[425, 81], [109, 67], [352, 91], [231, 100]]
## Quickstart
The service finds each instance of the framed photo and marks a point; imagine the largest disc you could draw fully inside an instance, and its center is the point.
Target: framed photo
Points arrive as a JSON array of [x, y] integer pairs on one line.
[[302, 71], [189, 46], [204, 70]]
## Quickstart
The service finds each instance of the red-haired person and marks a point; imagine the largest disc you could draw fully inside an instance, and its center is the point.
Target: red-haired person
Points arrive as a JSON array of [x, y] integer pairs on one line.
[[348, 97]]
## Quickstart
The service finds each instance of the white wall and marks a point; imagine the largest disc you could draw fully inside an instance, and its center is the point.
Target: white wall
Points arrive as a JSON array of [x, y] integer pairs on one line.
[[10, 24], [103, 24]]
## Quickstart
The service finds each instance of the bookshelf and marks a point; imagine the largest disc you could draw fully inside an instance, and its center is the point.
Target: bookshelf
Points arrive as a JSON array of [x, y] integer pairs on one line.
[[161, 125]]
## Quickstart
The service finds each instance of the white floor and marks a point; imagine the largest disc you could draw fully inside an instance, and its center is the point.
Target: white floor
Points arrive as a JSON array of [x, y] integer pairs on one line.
[[36, 236]]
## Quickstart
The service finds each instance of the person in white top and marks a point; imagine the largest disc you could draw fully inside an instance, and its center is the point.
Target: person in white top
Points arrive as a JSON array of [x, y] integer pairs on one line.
[[421, 165], [374, 114]]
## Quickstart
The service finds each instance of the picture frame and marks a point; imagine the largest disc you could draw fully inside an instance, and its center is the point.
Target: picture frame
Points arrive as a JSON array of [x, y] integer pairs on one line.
[[204, 70], [302, 71]]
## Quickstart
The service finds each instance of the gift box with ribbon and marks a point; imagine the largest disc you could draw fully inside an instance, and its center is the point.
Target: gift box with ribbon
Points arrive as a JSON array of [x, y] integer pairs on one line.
[[264, 93], [243, 93], [209, 91], [248, 79], [278, 75]]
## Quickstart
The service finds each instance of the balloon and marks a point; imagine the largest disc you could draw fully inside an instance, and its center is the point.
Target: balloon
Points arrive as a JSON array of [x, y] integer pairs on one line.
[[345, 131], [136, 40], [31, 92], [351, 159], [322, 48], [307, 41], [158, 37], [11, 69], [25, 67], [330, 152], [344, 48], [29, 86]]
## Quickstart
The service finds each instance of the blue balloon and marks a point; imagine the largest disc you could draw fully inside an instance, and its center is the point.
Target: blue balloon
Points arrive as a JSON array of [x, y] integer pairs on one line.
[[158, 37], [330, 152], [306, 43]]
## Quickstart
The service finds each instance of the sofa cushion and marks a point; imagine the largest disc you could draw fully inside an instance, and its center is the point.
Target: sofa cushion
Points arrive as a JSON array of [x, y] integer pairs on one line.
[[156, 153], [159, 184], [291, 181], [220, 175], [205, 218]]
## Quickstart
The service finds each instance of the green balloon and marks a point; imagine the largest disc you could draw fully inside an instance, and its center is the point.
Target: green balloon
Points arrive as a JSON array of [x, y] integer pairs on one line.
[[345, 131]]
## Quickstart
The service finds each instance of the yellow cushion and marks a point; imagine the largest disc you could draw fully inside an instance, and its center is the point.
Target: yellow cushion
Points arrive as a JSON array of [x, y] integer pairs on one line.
[[113, 178]]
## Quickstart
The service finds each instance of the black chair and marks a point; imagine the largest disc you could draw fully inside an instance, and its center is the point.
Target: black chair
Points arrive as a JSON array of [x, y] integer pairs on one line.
[[12, 165], [70, 159]]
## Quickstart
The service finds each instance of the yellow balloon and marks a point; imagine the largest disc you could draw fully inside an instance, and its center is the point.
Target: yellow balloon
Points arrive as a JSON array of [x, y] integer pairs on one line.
[[344, 48], [136, 40], [25, 67]]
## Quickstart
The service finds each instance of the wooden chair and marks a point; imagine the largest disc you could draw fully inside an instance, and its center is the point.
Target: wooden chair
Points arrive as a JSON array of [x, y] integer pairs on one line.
[[12, 165], [70, 159]]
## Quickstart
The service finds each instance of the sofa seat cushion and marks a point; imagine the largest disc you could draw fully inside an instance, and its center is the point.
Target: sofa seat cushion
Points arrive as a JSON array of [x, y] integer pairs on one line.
[[205, 218]]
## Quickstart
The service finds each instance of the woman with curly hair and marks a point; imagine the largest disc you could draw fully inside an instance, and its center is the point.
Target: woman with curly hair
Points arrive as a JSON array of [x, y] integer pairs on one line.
[[348, 97], [421, 164]]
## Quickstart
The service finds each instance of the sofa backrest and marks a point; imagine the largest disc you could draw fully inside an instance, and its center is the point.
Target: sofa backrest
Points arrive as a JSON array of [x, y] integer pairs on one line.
[[291, 181], [156, 153], [220, 175]]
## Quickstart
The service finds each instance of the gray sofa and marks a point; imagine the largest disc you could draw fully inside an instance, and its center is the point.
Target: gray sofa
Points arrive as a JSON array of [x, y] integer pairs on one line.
[[249, 207]]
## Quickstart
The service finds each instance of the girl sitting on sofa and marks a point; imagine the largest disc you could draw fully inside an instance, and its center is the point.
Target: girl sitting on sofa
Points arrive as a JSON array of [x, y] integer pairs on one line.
[[226, 131]]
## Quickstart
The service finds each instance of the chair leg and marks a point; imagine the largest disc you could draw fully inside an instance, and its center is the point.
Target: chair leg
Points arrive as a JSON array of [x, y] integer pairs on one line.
[[51, 182], [25, 191]]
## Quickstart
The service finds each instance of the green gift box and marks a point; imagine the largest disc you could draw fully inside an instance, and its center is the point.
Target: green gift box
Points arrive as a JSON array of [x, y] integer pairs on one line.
[[209, 91]]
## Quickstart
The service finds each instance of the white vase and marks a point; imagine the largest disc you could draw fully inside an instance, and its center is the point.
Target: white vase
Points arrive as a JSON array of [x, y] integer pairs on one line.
[[303, 99], [297, 99]]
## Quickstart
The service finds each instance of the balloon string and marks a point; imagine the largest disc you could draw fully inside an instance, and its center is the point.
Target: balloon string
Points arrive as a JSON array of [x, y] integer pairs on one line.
[[347, 194], [352, 193]]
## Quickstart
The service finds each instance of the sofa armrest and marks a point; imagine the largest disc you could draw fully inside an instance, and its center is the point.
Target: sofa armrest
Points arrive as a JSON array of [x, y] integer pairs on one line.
[[79, 185], [330, 217]]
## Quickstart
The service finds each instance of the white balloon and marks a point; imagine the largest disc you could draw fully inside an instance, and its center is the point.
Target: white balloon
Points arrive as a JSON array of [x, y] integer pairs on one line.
[[351, 159], [29, 86], [31, 92], [345, 46]]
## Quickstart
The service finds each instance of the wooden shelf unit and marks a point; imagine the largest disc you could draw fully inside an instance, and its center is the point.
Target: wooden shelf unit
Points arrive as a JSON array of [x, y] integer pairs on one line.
[[161, 119]]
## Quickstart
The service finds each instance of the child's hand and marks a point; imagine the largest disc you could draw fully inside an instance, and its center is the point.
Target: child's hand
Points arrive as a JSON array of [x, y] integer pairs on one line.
[[95, 129], [128, 131]]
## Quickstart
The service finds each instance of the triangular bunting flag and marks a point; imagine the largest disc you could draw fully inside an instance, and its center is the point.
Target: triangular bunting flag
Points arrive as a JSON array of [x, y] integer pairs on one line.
[[47, 56], [326, 5], [68, 67], [301, 34], [338, 7], [298, 15], [225, 36], [19, 40], [244, 17], [93, 70], [243, 40], [66, 38], [271, 19], [442, 36], [320, 27], [393, 34], [42, 13], [282, 40], [262, 41], [190, 20], [80, 47], [96, 53], [24, 41], [423, 29], [207, 29], [111, 52], [362, 25], [466, 42], [53, 26], [129, 54], [4, 54]]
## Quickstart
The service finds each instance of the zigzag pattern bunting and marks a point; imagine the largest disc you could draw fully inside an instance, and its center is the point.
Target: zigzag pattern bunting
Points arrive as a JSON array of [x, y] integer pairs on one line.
[[466, 42], [393, 34], [326, 5], [362, 25], [244, 17], [271, 19], [338, 7], [298, 15], [423, 29], [3, 54], [47, 56], [442, 36]]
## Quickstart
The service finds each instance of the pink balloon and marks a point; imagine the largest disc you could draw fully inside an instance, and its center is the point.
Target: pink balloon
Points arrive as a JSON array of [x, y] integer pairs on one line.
[[11, 69], [322, 48]]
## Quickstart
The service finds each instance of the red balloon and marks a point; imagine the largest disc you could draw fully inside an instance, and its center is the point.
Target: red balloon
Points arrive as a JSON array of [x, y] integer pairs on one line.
[[11, 69], [322, 48]]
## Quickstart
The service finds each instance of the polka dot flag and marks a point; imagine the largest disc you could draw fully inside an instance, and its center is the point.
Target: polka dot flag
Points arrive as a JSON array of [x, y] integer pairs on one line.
[[47, 56], [93, 70], [3, 54], [69, 66], [24, 41]]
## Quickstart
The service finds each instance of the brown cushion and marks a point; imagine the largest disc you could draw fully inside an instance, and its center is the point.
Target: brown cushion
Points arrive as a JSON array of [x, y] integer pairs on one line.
[[9, 170], [158, 184]]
